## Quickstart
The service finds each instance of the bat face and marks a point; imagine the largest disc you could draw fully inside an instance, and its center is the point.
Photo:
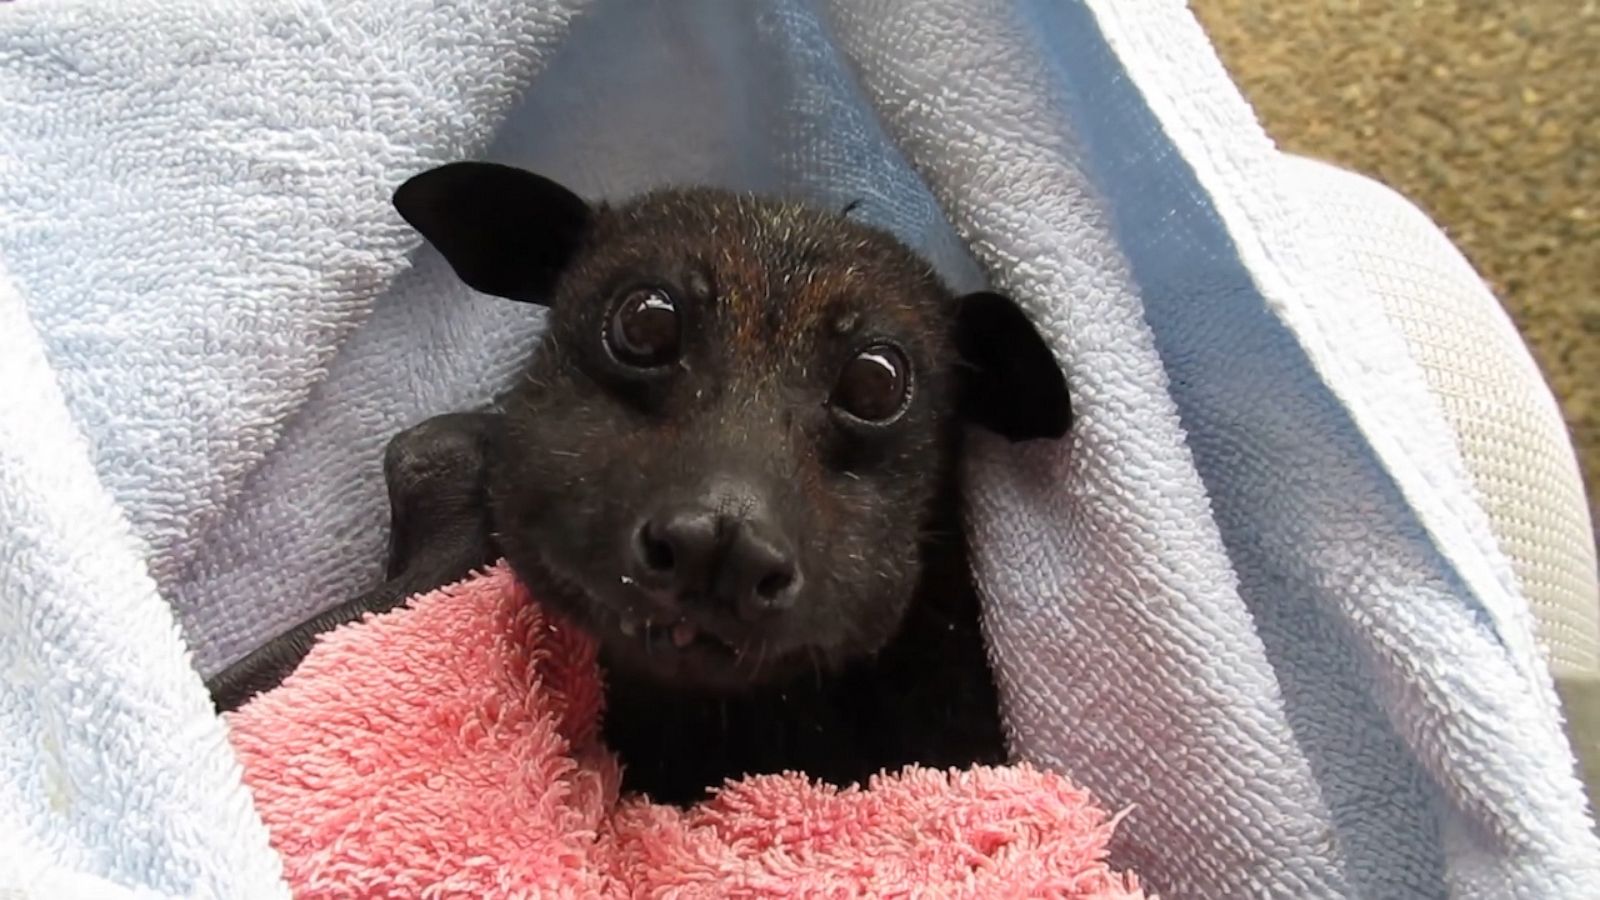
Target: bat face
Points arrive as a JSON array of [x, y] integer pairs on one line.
[[727, 444], [722, 456]]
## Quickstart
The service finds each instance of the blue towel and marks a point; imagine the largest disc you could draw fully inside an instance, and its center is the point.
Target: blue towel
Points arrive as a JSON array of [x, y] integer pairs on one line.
[[1252, 598]]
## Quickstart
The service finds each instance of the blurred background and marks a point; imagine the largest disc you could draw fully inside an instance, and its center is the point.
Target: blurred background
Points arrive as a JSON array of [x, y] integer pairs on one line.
[[1486, 113]]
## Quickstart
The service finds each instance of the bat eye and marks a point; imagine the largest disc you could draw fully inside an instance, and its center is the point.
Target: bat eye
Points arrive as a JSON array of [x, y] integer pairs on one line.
[[644, 329], [873, 387]]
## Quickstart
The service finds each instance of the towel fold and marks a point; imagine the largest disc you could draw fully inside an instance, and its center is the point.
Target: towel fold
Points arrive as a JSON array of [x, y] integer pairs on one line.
[[114, 770]]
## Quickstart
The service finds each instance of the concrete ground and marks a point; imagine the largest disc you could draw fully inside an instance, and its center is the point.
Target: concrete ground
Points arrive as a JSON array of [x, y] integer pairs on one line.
[[1487, 114]]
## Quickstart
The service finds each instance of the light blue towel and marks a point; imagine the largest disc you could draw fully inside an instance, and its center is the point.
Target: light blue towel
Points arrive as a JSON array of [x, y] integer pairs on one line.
[[1252, 598]]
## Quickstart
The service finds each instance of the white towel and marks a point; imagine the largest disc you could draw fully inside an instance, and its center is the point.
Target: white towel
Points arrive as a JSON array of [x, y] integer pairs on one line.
[[1252, 596], [112, 764]]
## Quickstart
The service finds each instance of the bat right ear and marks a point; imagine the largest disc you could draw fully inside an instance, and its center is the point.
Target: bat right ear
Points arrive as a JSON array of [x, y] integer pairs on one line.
[[505, 231], [1010, 381]]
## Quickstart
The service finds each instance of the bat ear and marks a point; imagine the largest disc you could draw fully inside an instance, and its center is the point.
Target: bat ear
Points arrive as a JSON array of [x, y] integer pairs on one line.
[[1009, 380], [505, 231]]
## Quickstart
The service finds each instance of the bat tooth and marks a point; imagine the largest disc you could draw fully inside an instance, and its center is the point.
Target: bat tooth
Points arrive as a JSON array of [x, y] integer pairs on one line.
[[683, 634]]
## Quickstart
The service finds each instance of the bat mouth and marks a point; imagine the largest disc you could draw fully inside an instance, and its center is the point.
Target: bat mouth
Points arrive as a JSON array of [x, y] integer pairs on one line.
[[681, 635], [673, 648], [643, 634]]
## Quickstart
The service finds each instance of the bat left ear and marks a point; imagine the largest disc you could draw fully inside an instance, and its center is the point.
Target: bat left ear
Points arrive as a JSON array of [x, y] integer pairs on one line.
[[505, 231], [1009, 381]]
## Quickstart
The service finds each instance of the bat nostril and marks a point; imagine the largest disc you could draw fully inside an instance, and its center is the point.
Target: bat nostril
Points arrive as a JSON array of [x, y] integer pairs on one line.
[[656, 553], [772, 586], [770, 577]]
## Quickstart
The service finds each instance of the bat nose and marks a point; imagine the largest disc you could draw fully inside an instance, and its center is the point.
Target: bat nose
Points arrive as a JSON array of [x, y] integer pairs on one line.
[[717, 555]]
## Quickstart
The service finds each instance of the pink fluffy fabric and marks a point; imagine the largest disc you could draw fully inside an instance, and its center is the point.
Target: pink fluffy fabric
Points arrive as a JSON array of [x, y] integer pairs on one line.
[[452, 749]]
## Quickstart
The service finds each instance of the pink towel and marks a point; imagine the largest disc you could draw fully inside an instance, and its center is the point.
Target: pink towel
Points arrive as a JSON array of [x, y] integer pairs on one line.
[[452, 749]]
